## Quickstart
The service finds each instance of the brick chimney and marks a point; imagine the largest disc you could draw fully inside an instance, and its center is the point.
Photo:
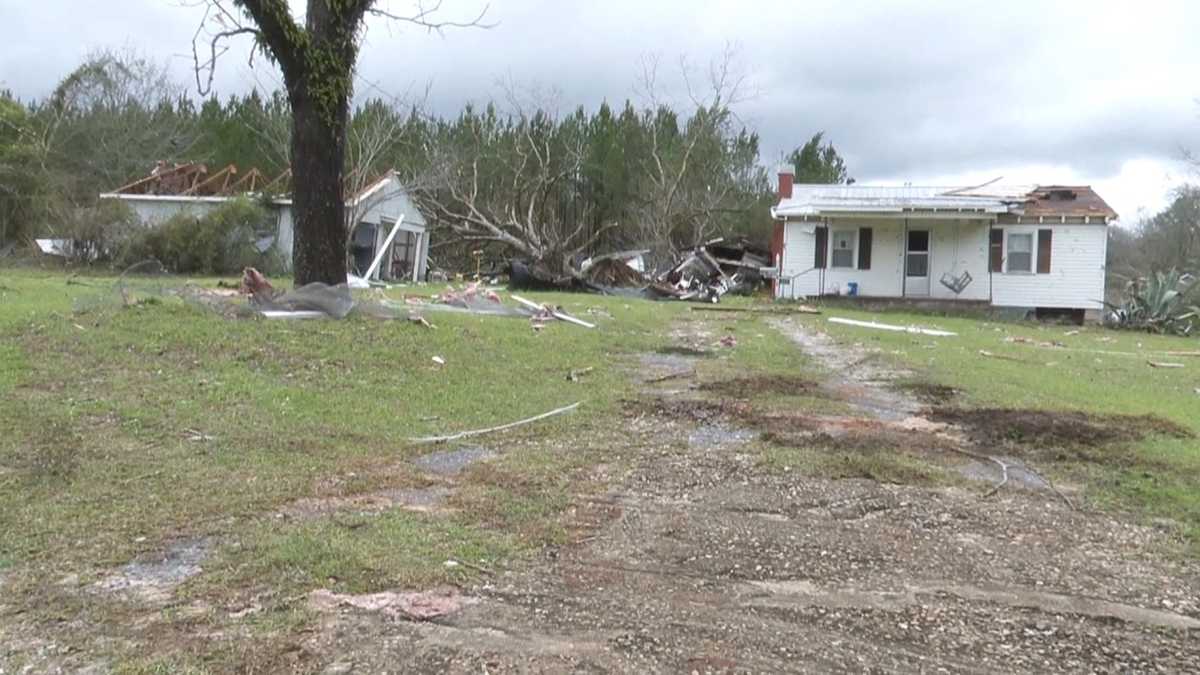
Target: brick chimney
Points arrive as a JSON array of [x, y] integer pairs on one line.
[[787, 178]]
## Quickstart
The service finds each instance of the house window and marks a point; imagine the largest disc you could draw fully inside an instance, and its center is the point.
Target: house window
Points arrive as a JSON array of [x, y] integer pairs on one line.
[[1020, 252], [843, 248]]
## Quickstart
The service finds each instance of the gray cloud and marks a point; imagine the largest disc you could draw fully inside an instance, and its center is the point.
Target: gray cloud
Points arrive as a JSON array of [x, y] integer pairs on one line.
[[905, 90]]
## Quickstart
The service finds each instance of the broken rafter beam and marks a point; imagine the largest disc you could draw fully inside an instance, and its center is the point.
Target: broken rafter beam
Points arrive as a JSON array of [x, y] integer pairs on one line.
[[221, 176]]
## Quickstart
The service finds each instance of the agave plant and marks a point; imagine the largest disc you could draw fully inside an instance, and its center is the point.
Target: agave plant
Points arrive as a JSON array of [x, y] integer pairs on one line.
[[1160, 303]]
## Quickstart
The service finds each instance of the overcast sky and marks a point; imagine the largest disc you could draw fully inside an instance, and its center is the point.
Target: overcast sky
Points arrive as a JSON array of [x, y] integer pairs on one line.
[[954, 92]]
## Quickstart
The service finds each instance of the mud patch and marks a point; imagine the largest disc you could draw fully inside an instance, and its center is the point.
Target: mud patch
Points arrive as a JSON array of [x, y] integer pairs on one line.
[[423, 606], [153, 578], [927, 392], [675, 350], [1054, 429], [758, 385], [429, 499], [452, 462], [695, 410]]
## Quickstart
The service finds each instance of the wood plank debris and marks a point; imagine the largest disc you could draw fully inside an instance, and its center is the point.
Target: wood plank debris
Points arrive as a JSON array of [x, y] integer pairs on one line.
[[890, 327], [1003, 357], [557, 313], [1163, 364], [502, 427]]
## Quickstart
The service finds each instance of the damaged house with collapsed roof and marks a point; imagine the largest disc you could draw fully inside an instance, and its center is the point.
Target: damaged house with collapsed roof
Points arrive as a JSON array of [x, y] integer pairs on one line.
[[1039, 248], [385, 219]]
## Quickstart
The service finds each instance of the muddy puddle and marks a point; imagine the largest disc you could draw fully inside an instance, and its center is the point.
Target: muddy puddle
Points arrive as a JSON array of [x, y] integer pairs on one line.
[[153, 577]]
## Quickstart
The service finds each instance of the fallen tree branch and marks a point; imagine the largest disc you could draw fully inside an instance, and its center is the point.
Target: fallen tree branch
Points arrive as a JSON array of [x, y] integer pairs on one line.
[[502, 427]]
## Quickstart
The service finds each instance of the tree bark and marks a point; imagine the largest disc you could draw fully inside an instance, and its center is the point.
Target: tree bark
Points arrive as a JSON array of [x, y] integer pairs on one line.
[[318, 206]]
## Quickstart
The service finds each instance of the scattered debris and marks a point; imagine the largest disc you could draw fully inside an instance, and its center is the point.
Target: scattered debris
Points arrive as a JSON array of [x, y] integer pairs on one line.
[[555, 312], [712, 270], [439, 360], [890, 327], [1017, 339], [1072, 332], [502, 427], [197, 436], [616, 270], [422, 606], [1163, 364], [1004, 357], [575, 375], [728, 341], [452, 563]]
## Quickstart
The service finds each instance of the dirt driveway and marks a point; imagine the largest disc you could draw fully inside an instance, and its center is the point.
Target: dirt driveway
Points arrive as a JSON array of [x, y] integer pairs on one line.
[[702, 560]]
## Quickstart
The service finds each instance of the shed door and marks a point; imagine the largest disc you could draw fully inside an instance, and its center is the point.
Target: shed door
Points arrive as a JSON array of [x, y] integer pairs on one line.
[[916, 263]]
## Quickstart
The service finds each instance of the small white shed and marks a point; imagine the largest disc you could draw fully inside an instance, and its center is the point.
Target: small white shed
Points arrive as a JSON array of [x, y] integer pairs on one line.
[[381, 206]]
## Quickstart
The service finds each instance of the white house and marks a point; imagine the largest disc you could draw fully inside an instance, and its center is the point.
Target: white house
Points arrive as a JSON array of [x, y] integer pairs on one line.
[[1041, 248], [375, 210]]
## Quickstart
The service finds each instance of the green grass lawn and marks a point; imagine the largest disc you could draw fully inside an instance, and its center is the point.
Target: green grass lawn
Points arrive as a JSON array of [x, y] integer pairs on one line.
[[1095, 370], [127, 428], [124, 429]]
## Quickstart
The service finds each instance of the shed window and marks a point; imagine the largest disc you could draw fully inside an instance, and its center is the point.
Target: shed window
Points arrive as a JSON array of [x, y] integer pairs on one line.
[[843, 248], [1020, 252]]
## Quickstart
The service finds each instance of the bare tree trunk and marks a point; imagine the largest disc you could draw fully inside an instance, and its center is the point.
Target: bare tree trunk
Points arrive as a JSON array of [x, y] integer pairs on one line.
[[318, 165]]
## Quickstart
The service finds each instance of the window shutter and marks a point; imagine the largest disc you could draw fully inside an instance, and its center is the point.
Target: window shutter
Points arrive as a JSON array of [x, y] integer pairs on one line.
[[1045, 237], [822, 247], [864, 248], [996, 249]]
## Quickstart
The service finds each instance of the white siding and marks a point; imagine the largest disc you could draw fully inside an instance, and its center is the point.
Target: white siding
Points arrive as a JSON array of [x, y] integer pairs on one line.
[[157, 212], [958, 247], [1076, 278], [954, 247], [883, 279], [799, 241]]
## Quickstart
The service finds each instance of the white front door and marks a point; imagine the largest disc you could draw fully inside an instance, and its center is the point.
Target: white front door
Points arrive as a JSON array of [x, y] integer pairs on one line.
[[916, 263]]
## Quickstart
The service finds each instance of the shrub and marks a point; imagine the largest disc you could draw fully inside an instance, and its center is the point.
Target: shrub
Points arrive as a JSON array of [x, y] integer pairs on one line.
[[221, 241], [96, 233], [1163, 302]]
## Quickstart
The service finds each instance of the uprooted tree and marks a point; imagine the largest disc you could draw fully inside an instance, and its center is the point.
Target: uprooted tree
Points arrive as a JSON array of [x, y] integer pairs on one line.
[[513, 179], [550, 188], [317, 60]]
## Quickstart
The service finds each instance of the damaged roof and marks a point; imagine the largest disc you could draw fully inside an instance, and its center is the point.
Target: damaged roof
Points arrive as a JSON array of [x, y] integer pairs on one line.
[[193, 180], [985, 200], [1066, 200]]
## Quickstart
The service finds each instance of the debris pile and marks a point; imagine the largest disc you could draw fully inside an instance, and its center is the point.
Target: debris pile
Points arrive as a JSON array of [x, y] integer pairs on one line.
[[712, 270]]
